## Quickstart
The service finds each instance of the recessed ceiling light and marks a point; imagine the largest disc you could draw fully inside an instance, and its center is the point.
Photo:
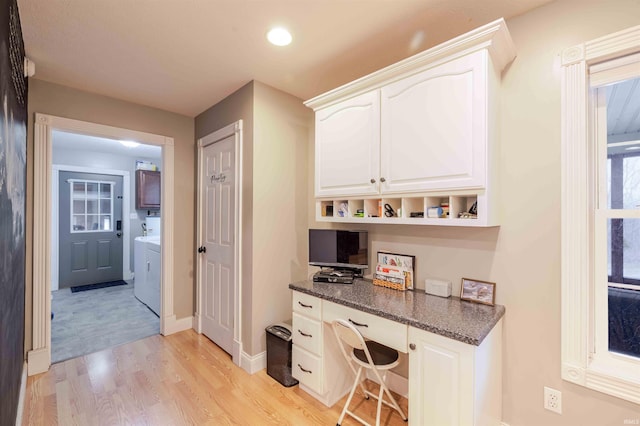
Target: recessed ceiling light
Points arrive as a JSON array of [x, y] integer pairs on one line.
[[279, 36], [129, 144]]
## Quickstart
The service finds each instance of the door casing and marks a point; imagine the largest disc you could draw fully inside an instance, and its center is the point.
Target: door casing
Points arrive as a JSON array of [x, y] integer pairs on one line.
[[39, 357], [234, 129]]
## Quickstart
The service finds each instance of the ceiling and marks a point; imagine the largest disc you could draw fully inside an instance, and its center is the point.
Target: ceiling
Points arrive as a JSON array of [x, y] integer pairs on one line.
[[93, 144], [623, 117], [186, 55]]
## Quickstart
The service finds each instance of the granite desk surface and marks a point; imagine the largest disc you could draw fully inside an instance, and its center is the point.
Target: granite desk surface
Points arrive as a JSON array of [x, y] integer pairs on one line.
[[451, 317]]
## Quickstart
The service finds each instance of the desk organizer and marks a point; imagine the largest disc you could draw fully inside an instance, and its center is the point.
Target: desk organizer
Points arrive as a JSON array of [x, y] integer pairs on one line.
[[389, 284]]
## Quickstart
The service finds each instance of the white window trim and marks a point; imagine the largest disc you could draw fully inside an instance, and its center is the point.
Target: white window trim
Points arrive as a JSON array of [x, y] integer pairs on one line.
[[578, 186]]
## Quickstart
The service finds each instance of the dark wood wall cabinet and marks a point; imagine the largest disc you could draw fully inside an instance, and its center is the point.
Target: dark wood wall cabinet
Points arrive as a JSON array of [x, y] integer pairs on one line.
[[147, 189]]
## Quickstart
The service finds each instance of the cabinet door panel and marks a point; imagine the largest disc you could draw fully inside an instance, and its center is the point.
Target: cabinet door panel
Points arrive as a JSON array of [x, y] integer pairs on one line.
[[348, 147], [441, 385], [434, 128]]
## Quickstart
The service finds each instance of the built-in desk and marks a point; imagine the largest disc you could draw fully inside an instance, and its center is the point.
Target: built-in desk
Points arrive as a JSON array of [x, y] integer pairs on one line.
[[454, 347]]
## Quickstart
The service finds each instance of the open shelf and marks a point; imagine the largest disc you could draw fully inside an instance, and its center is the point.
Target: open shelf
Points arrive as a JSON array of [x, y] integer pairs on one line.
[[455, 209]]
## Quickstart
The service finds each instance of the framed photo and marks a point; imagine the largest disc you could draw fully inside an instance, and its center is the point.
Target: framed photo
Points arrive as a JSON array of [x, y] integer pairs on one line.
[[478, 291], [404, 262]]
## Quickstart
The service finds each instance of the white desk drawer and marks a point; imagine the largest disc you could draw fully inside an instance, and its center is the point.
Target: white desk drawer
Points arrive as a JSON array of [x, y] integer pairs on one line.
[[307, 368], [307, 333], [307, 305], [381, 330]]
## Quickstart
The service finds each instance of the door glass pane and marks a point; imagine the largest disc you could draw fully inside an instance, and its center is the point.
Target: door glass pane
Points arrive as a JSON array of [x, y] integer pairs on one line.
[[78, 207], [78, 190], [105, 190], [92, 206], [92, 222], [92, 190], [105, 206], [79, 223]]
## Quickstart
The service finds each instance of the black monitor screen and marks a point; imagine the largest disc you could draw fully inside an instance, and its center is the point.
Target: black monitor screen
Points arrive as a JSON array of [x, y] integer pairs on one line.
[[333, 247]]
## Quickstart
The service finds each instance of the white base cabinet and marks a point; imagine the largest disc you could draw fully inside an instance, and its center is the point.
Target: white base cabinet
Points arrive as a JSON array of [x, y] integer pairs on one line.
[[454, 383]]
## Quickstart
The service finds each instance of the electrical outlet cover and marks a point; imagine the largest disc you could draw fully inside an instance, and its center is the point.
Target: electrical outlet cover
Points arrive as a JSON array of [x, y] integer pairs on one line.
[[553, 400]]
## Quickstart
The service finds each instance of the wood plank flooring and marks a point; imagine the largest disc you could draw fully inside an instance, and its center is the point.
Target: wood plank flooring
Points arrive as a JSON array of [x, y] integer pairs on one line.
[[182, 379]]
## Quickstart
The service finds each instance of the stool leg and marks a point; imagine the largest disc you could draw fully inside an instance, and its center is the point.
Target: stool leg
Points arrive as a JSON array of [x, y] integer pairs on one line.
[[391, 398], [380, 395], [353, 390]]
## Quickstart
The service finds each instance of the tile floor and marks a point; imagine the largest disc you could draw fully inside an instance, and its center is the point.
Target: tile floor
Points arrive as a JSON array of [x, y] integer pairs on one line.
[[92, 320]]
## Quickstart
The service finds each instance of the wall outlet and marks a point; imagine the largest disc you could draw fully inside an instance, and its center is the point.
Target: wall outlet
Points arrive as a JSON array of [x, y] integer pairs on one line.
[[553, 400]]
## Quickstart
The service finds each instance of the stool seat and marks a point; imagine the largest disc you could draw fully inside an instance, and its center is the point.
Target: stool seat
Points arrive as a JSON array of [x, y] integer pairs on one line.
[[370, 355], [380, 354]]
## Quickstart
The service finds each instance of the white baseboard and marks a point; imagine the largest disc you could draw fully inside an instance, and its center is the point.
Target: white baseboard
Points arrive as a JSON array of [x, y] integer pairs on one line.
[[38, 361], [255, 363], [173, 325], [23, 392], [395, 382]]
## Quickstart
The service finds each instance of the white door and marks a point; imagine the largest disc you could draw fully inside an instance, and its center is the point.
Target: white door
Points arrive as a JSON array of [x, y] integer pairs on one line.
[[348, 147], [217, 250], [434, 128]]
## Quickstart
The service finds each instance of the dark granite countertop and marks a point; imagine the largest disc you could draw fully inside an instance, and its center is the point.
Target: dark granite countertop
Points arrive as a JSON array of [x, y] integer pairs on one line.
[[450, 317]]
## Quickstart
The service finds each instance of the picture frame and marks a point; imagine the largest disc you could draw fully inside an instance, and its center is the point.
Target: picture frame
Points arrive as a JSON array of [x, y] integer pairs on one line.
[[478, 291], [404, 261]]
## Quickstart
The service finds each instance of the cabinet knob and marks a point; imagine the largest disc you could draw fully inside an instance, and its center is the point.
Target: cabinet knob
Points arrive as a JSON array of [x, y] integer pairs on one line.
[[382, 179], [373, 180], [412, 346]]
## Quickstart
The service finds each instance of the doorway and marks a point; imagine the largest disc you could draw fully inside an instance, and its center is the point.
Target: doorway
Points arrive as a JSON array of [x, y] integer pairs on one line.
[[220, 238], [39, 358]]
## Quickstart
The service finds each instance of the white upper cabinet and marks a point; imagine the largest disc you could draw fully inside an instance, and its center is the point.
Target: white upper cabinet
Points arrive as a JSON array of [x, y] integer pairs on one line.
[[419, 135], [433, 128], [348, 147]]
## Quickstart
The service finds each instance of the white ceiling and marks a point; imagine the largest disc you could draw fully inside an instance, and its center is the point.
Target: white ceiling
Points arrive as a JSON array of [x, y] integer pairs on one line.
[[74, 141], [186, 55]]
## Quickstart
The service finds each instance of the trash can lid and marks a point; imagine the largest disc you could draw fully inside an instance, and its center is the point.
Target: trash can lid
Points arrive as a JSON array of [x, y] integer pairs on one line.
[[283, 331]]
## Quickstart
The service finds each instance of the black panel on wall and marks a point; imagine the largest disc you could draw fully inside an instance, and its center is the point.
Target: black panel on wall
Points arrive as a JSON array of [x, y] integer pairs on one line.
[[13, 152]]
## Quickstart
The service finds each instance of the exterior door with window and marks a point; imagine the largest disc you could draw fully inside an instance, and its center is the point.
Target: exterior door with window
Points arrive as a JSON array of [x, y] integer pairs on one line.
[[90, 228]]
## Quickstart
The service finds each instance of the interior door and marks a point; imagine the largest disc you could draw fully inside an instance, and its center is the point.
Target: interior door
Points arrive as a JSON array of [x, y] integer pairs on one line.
[[90, 228], [218, 241]]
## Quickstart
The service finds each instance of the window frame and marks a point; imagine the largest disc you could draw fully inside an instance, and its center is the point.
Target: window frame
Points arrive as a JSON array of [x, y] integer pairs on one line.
[[582, 302], [86, 198]]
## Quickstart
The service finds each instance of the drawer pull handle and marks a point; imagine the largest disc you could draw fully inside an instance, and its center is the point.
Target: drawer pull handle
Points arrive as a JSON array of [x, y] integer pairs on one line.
[[303, 305], [305, 370], [304, 334], [357, 324]]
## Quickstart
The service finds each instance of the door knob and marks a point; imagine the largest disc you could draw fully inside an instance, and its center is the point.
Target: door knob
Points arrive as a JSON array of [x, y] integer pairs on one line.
[[202, 249], [382, 179], [412, 346], [373, 180], [118, 234]]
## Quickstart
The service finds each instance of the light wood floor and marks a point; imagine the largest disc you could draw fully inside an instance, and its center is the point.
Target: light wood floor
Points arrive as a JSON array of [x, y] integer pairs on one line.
[[182, 379]]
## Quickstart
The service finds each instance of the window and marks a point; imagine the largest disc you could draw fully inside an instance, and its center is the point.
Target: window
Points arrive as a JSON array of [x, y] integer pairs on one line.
[[91, 206], [601, 214]]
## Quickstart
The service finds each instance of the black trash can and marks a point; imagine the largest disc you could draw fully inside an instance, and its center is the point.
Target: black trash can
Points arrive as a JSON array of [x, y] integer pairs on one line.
[[279, 354]]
